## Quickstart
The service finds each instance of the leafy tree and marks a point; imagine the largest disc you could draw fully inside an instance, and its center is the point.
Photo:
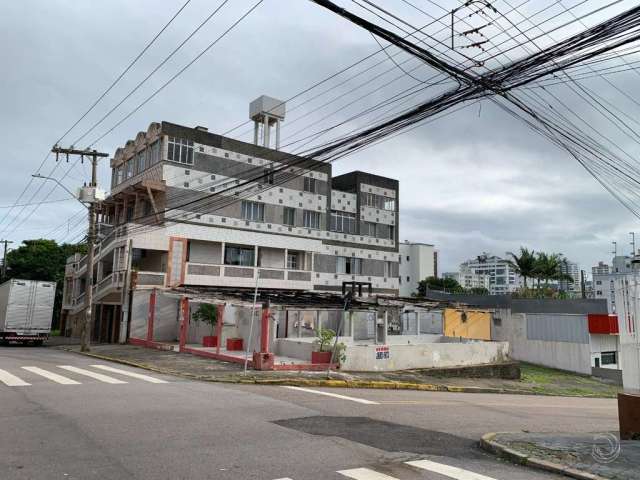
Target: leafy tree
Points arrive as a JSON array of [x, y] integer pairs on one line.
[[44, 260], [207, 313], [524, 264], [448, 285], [478, 291], [549, 266]]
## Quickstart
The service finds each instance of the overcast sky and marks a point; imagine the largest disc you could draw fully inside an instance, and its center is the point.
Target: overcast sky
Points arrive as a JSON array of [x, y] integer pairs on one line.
[[473, 181]]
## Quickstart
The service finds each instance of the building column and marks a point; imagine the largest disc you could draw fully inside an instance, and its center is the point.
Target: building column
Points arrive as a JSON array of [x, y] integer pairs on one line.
[[184, 322], [266, 131], [219, 325], [152, 314]]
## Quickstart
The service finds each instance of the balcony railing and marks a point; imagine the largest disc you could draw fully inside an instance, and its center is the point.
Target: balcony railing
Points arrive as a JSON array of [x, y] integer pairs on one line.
[[207, 273]]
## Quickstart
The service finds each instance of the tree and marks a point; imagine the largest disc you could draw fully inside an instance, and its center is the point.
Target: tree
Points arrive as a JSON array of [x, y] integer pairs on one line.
[[207, 313], [477, 291], [44, 260], [548, 266], [524, 264], [448, 285]]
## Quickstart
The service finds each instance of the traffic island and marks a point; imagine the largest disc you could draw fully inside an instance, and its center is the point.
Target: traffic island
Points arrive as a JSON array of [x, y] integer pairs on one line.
[[595, 456]]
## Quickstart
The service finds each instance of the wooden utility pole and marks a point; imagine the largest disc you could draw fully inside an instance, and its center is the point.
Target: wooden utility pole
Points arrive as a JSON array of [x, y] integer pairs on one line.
[[89, 196], [4, 259]]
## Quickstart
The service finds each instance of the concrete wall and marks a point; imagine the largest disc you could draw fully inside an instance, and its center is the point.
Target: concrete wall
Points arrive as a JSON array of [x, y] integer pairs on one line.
[[575, 357], [426, 355], [630, 362], [205, 252], [472, 324]]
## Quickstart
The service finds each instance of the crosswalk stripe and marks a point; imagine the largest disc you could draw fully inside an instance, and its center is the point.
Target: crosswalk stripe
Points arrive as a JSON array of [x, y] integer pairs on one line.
[[89, 373], [51, 376], [139, 376], [365, 474], [334, 395], [447, 470], [11, 380]]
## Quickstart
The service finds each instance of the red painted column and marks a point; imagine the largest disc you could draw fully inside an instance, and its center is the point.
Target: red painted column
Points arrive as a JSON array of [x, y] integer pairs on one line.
[[184, 323], [152, 314], [220, 317], [264, 336]]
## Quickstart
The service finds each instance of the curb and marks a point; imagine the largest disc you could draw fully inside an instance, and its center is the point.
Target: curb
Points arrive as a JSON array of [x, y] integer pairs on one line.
[[303, 382], [488, 444]]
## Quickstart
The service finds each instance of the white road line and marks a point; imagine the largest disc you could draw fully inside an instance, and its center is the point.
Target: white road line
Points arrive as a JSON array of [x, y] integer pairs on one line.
[[285, 478], [447, 470], [334, 395], [51, 376], [365, 474], [139, 376], [11, 380], [89, 373]]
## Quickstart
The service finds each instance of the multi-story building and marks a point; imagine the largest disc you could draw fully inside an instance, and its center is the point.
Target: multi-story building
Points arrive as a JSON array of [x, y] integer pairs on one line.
[[573, 288], [189, 207], [468, 278], [417, 262], [605, 276], [503, 278]]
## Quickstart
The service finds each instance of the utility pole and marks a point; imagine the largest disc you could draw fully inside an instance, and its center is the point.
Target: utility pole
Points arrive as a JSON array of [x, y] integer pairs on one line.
[[4, 259], [633, 244], [88, 195], [615, 248]]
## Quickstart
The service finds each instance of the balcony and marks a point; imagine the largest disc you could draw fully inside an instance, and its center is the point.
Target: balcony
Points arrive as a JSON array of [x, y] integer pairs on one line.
[[240, 276], [109, 285], [603, 324]]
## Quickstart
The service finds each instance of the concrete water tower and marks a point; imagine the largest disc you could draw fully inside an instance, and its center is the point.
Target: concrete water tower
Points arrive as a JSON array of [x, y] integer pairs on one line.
[[266, 111]]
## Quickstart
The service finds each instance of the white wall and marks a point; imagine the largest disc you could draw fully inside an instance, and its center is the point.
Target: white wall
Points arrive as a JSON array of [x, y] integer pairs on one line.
[[419, 266], [428, 355]]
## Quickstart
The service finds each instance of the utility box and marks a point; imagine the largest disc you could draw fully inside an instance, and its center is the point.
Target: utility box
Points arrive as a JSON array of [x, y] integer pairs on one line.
[[26, 310]]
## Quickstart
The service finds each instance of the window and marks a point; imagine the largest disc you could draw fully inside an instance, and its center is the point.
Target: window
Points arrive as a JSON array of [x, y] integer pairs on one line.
[[392, 232], [388, 203], [155, 152], [180, 150], [243, 256], [253, 211], [598, 282], [311, 219], [140, 161], [310, 185], [119, 174], [349, 265], [608, 358], [343, 222], [388, 269], [129, 168], [369, 229], [292, 260], [289, 216]]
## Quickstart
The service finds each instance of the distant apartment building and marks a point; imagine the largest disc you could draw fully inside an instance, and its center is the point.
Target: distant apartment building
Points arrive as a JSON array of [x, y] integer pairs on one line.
[[503, 278], [604, 279], [469, 279], [191, 208], [573, 288], [417, 261]]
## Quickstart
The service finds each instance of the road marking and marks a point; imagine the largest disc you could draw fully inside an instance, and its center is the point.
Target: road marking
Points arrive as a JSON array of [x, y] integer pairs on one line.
[[97, 376], [447, 470], [334, 395], [51, 376], [365, 474], [139, 376], [11, 380]]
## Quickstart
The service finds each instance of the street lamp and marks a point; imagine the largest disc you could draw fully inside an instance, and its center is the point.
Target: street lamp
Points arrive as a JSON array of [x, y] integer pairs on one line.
[[37, 175]]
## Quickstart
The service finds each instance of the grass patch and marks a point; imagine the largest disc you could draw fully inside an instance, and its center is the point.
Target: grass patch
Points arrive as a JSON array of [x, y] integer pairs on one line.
[[559, 382], [54, 333]]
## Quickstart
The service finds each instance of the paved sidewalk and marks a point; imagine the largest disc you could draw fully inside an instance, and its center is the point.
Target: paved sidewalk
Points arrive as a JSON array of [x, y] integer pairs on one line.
[[602, 454], [205, 369]]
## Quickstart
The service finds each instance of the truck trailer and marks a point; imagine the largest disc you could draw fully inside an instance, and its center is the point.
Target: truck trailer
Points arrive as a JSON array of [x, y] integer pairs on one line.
[[26, 311]]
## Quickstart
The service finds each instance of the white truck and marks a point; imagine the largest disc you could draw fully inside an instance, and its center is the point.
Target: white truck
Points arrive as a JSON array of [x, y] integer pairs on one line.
[[26, 310]]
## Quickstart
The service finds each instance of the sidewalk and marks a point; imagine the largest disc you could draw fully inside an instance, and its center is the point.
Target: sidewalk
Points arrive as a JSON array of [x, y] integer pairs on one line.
[[198, 368], [592, 456]]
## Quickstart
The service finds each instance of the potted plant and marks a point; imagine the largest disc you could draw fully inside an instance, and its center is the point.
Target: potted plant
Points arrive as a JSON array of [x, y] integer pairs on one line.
[[323, 341], [208, 314]]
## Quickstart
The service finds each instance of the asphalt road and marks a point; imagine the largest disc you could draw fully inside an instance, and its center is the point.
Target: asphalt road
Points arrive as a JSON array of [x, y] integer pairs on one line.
[[69, 419]]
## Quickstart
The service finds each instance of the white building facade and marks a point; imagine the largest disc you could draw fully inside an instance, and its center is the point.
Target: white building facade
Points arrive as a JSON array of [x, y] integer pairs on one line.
[[417, 262], [627, 301], [189, 207], [604, 278], [502, 276]]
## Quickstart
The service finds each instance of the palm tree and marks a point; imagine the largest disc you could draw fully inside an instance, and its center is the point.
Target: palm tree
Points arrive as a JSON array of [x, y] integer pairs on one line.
[[524, 264], [548, 266]]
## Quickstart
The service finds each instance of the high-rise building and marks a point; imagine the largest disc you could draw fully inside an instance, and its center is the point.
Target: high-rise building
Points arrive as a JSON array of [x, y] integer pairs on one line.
[[605, 277], [503, 278], [417, 261]]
